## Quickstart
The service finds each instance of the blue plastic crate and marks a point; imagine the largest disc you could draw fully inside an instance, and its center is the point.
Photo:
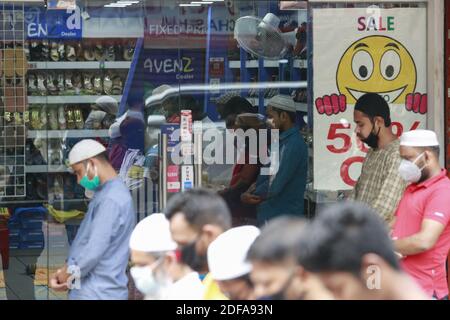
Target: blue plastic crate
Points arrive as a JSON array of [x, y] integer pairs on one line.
[[31, 236], [14, 245], [31, 213], [32, 245], [31, 224]]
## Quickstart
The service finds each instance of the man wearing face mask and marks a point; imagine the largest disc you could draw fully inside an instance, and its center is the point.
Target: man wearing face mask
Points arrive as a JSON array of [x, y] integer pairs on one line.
[[275, 273], [197, 217], [157, 271], [379, 185], [422, 224], [98, 257]]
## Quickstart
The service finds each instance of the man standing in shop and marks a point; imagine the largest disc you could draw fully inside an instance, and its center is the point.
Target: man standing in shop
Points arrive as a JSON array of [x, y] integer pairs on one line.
[[197, 217], [282, 193], [98, 258], [422, 226], [379, 185]]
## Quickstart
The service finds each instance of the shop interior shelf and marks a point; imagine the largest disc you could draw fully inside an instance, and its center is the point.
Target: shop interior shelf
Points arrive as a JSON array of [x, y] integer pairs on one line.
[[46, 168], [66, 65], [236, 64], [83, 133], [65, 99]]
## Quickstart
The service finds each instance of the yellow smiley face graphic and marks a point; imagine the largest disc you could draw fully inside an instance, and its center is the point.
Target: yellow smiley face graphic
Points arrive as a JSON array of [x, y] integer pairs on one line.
[[377, 64]]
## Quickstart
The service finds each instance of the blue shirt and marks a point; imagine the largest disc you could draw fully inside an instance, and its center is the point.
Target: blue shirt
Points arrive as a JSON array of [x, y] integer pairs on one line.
[[101, 247], [284, 191]]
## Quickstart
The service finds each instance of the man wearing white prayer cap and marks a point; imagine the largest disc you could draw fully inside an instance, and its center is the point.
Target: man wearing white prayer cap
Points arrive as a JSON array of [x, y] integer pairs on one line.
[[227, 262], [282, 193], [422, 224], [157, 271], [98, 257]]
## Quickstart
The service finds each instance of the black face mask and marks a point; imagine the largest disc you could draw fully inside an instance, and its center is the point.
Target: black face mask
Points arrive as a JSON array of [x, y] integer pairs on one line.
[[190, 257], [281, 294], [372, 138]]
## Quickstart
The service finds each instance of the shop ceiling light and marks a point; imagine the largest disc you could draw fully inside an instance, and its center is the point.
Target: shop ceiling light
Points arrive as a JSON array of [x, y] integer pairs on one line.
[[127, 2], [189, 5], [201, 2], [116, 5]]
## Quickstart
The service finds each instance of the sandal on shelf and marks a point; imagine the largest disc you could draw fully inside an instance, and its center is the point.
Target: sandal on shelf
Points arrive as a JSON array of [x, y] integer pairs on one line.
[[107, 84], [43, 118], [110, 54], [35, 122], [44, 51], [99, 52], [117, 86], [79, 122], [51, 87], [70, 118], [71, 54], [60, 82], [98, 86], [128, 53], [61, 51], [32, 87], [61, 118], [54, 54], [87, 83], [76, 82], [53, 119], [41, 84], [88, 53]]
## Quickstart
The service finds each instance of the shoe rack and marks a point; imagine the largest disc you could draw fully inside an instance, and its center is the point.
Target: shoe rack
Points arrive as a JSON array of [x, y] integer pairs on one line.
[[13, 105], [64, 81]]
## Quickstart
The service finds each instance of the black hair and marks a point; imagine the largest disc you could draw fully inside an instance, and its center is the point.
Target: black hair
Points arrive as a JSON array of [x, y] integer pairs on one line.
[[277, 240], [292, 115], [230, 121], [200, 207], [339, 237], [237, 105], [373, 105]]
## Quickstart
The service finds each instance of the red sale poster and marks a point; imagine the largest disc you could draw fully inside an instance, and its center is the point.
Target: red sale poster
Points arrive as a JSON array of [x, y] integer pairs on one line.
[[357, 51], [173, 179]]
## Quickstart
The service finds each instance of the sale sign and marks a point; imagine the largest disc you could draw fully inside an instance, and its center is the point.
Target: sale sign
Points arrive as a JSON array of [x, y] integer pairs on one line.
[[358, 51], [173, 179]]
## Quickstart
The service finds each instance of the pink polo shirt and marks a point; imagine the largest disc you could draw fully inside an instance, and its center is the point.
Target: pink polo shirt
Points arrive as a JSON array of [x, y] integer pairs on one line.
[[427, 200]]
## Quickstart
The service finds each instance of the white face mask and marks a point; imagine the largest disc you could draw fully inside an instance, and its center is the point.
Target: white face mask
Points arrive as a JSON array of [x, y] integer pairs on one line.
[[146, 281], [409, 171]]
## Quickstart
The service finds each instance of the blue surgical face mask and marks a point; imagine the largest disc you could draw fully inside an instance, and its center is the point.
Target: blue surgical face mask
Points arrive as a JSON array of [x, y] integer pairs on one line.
[[90, 184]]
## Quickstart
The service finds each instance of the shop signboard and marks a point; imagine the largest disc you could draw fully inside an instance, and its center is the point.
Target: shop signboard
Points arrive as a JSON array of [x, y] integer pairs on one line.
[[172, 67], [53, 24], [360, 50]]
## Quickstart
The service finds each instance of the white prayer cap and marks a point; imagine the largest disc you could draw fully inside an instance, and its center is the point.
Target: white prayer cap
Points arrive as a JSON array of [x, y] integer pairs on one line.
[[85, 149], [152, 234], [419, 138], [227, 254], [283, 102]]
